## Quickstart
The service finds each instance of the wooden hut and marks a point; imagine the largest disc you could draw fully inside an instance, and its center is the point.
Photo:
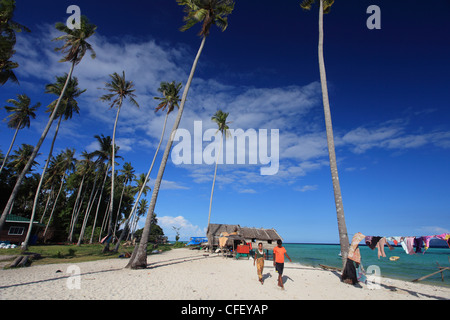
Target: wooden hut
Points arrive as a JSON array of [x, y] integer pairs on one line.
[[237, 235]]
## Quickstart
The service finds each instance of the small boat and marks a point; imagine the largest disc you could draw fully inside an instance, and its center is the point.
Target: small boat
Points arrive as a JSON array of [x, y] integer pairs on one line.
[[195, 241], [340, 254]]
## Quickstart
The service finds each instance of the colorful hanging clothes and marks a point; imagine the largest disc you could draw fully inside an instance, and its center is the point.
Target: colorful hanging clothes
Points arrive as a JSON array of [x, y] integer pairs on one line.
[[372, 242], [395, 240], [409, 245], [445, 237], [418, 244], [380, 247], [354, 253], [426, 241]]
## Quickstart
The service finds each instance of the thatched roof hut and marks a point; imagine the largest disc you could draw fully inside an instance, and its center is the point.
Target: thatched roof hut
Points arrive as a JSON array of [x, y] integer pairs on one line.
[[237, 233]]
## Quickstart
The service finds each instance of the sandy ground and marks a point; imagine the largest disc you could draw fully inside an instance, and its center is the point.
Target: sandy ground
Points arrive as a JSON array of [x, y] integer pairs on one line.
[[187, 274]]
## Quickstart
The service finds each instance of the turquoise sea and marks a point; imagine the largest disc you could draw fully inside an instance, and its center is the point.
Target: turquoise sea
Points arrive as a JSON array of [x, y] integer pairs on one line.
[[408, 267]]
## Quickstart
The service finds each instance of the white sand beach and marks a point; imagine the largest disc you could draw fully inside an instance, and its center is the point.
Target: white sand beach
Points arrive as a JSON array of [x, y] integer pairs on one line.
[[184, 274]]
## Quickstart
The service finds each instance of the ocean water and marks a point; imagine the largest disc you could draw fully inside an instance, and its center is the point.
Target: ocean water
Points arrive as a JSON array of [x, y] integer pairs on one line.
[[408, 267]]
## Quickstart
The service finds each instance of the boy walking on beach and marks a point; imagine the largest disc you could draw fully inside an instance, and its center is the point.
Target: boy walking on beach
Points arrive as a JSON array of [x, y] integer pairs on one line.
[[260, 256], [278, 261]]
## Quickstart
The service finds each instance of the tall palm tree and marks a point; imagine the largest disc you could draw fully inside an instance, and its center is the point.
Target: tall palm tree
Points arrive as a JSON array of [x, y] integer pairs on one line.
[[21, 157], [220, 118], [19, 118], [128, 175], [120, 89], [209, 12], [68, 106], [60, 166], [169, 100], [105, 153], [75, 47], [325, 6]]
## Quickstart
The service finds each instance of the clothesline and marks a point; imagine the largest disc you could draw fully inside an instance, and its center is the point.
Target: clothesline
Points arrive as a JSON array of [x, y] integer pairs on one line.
[[411, 245]]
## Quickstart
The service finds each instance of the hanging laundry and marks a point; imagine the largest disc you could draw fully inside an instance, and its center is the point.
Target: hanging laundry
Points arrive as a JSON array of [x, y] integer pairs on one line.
[[418, 244], [426, 241], [395, 240], [372, 241], [361, 273], [380, 247], [354, 253], [409, 245], [349, 273], [445, 237]]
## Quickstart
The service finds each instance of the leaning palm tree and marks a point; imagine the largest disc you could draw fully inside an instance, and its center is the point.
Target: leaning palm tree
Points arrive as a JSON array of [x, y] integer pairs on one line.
[[19, 118], [220, 118], [120, 89], [169, 101], [69, 105], [209, 12], [75, 47], [127, 175], [325, 6]]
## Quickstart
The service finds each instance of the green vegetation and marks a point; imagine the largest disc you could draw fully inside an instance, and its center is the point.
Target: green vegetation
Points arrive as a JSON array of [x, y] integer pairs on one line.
[[52, 254]]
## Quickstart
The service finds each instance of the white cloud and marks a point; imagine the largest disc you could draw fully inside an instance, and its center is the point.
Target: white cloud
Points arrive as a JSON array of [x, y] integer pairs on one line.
[[187, 229]]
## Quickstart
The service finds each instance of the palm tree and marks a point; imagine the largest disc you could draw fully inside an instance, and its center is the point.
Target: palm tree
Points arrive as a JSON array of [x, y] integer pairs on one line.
[[68, 106], [8, 29], [325, 6], [103, 154], [209, 12], [169, 100], [75, 47], [128, 175], [220, 118], [119, 89], [19, 118], [60, 166], [21, 157]]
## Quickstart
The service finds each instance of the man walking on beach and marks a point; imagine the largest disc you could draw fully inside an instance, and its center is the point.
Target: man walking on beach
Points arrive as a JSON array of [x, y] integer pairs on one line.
[[278, 261]]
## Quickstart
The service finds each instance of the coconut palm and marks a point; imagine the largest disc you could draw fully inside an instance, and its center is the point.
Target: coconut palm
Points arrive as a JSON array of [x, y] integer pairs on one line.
[[105, 153], [60, 166], [120, 89], [8, 29], [325, 6], [75, 47], [69, 105], [21, 157], [19, 118], [220, 118], [208, 12], [169, 101], [128, 175]]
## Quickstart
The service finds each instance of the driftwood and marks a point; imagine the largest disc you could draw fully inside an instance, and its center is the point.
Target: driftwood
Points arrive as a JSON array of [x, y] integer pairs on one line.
[[441, 271], [329, 268], [25, 260]]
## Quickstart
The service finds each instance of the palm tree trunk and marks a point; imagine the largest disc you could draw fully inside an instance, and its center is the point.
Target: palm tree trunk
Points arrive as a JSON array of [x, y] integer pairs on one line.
[[133, 210], [118, 209], [139, 257], [54, 205], [35, 152], [212, 192], [46, 204], [75, 208], [38, 191], [343, 237], [98, 204], [110, 226], [10, 147]]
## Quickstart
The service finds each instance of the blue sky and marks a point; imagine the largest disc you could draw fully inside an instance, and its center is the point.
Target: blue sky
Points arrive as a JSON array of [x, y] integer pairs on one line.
[[389, 94]]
